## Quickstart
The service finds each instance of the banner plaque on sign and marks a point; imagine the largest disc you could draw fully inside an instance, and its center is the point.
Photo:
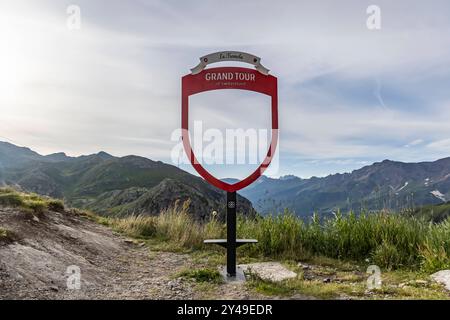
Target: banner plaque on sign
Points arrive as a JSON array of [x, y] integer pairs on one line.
[[202, 80]]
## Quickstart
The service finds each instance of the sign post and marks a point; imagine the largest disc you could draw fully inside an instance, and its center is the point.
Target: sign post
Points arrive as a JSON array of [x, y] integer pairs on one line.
[[231, 233], [202, 80]]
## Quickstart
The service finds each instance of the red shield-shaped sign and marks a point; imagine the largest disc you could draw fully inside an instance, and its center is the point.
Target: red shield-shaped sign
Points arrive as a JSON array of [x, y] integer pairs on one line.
[[229, 78]]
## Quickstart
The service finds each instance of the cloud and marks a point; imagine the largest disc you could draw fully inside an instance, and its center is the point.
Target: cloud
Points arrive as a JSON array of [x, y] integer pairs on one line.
[[345, 92], [441, 145], [414, 143]]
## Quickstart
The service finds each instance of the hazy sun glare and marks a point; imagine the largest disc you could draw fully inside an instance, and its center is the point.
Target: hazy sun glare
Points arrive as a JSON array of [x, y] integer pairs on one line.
[[17, 50], [11, 72]]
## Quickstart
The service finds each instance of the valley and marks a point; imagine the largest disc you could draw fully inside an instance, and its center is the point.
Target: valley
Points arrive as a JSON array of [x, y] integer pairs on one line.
[[387, 185]]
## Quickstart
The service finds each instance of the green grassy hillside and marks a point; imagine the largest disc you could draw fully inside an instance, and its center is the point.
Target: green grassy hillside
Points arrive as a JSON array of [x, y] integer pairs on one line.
[[435, 213]]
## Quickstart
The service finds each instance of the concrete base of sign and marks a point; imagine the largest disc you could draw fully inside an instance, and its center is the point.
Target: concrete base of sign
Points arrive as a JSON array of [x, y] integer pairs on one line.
[[240, 276], [270, 271]]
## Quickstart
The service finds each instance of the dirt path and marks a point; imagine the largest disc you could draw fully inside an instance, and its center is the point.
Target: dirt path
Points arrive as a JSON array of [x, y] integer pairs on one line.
[[37, 260]]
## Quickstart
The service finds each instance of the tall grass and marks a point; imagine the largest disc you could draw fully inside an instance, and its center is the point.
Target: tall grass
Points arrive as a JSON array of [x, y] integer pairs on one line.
[[277, 235], [173, 224], [435, 249], [135, 226], [388, 240]]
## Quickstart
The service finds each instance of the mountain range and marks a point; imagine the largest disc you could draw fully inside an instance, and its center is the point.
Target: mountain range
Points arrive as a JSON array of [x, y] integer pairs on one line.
[[111, 185], [383, 185], [134, 185]]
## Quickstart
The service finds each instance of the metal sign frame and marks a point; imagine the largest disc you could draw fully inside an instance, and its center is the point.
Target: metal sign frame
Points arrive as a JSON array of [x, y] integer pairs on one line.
[[203, 80]]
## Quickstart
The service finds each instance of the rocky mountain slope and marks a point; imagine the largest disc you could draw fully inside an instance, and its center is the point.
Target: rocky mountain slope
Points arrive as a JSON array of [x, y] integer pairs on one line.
[[383, 185], [111, 185]]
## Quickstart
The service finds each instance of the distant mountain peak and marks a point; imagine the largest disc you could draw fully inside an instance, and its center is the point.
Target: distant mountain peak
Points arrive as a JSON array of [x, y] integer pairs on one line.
[[289, 177], [57, 156], [11, 146], [12, 155], [104, 155]]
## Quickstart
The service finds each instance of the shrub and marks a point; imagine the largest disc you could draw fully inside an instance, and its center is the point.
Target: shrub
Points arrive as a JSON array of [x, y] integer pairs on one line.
[[136, 226], [37, 206], [435, 251], [175, 223], [386, 255], [6, 190], [55, 205], [29, 201], [203, 275], [6, 235], [277, 236], [10, 199]]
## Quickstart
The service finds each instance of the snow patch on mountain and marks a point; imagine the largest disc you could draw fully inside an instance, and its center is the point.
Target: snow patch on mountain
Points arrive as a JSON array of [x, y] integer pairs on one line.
[[399, 189], [404, 186], [438, 195]]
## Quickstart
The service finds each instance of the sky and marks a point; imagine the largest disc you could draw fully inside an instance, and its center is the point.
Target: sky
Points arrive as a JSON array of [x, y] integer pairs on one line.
[[348, 95]]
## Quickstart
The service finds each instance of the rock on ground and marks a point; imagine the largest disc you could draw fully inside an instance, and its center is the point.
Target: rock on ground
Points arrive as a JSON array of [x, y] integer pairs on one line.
[[443, 277], [269, 271]]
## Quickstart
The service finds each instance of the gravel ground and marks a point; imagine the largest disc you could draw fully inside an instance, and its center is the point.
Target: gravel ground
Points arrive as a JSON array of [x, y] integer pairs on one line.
[[34, 264]]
